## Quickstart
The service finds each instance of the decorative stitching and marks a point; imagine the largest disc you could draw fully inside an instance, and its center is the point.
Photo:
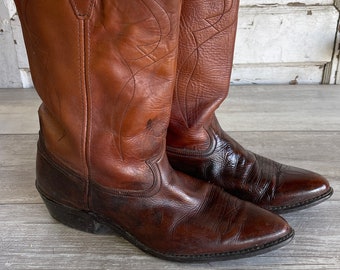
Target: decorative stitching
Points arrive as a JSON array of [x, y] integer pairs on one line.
[[78, 13]]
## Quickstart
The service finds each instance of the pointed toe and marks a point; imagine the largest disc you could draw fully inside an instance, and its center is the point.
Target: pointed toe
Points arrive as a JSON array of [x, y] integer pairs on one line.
[[299, 188], [270, 230]]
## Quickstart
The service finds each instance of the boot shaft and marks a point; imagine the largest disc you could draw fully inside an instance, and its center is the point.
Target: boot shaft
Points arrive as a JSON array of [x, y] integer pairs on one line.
[[105, 72], [54, 38], [206, 49]]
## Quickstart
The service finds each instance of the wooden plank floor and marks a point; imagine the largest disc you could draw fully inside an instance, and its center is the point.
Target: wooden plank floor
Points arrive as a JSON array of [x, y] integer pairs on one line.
[[298, 125]]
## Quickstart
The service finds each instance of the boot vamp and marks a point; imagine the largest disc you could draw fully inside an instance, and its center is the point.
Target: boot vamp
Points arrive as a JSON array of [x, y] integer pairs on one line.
[[184, 216], [178, 217], [250, 176], [242, 173], [267, 182]]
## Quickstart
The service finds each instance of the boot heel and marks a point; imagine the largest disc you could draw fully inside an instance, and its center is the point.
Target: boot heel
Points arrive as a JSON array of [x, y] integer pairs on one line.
[[77, 219]]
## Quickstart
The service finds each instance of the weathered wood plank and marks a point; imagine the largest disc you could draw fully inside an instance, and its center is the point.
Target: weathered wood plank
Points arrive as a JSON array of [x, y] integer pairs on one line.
[[310, 73], [281, 108], [297, 125], [248, 108], [18, 111], [269, 3], [31, 239], [17, 169]]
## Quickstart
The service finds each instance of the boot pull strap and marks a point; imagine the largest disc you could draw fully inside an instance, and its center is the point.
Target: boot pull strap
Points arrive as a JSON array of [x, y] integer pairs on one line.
[[82, 8]]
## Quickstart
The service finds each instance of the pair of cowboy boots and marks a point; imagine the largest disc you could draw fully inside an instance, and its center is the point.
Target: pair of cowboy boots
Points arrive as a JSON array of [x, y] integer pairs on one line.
[[126, 85]]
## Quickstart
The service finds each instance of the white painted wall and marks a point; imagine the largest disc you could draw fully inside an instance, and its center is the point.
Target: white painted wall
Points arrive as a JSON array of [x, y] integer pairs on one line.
[[286, 42], [9, 73], [14, 68]]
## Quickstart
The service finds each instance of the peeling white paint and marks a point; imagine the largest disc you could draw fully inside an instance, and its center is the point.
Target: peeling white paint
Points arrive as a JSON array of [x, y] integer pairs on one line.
[[10, 7], [26, 78], [278, 41], [9, 72]]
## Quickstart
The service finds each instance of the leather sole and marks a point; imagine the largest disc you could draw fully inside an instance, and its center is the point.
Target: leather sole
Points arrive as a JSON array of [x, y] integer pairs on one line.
[[301, 205], [90, 222]]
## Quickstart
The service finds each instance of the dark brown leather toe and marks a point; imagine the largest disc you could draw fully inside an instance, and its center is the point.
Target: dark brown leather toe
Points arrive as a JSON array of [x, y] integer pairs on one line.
[[298, 188], [268, 227]]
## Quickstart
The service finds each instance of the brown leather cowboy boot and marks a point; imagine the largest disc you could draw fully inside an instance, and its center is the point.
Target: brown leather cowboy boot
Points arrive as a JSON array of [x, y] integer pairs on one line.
[[197, 145], [105, 72]]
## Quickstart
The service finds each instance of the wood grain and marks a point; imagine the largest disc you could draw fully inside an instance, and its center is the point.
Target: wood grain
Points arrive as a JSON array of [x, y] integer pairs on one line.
[[18, 111], [31, 239]]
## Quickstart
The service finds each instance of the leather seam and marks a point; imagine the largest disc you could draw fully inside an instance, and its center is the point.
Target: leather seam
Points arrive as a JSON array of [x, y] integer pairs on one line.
[[48, 157], [241, 252], [196, 153], [154, 188], [300, 204], [77, 11], [82, 95], [87, 59], [151, 191]]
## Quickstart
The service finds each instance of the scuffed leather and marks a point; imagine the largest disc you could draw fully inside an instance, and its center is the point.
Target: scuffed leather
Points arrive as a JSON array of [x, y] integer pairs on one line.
[[105, 71], [196, 143]]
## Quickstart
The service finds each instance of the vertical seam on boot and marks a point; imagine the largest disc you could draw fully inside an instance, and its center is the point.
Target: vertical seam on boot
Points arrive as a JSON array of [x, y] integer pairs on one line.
[[87, 54], [82, 78], [84, 56], [83, 95]]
